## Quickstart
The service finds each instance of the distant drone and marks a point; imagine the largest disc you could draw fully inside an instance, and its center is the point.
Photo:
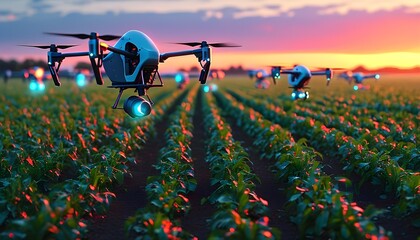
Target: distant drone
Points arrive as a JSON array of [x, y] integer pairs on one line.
[[358, 79], [260, 76], [132, 63], [299, 78]]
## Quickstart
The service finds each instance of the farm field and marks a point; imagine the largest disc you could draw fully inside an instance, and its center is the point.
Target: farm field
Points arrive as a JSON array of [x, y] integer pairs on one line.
[[235, 162]]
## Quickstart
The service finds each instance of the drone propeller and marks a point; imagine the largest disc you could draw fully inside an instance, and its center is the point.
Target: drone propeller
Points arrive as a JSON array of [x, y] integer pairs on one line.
[[86, 36], [194, 44], [49, 46]]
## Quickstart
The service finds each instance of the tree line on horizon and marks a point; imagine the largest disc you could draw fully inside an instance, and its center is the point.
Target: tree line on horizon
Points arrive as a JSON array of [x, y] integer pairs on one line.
[[14, 65]]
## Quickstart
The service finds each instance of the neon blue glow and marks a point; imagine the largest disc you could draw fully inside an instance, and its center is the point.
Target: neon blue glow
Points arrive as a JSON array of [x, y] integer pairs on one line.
[[33, 86], [356, 87], [178, 78], [301, 95], [80, 80], [377, 76], [293, 95], [138, 110], [41, 86], [206, 89]]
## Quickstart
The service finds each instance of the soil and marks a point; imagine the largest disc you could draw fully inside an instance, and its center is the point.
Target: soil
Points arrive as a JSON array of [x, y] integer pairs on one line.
[[132, 196], [195, 222], [269, 188], [369, 194]]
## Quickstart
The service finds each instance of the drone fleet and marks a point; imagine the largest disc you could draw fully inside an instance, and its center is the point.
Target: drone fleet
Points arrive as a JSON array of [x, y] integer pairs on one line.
[[132, 63]]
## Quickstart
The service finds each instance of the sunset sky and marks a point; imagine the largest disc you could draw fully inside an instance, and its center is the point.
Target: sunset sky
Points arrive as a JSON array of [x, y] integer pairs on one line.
[[323, 33]]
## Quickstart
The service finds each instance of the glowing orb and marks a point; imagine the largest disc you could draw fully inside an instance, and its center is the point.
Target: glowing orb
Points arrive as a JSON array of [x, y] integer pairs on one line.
[[206, 89], [80, 79]]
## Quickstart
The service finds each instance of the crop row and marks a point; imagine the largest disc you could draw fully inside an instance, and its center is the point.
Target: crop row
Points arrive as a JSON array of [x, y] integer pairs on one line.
[[315, 204], [167, 192], [390, 138], [241, 213], [400, 123], [371, 164], [59, 162], [389, 130]]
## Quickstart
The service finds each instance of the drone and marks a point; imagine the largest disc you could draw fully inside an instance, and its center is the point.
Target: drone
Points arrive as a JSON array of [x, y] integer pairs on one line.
[[260, 76], [299, 77], [358, 78], [132, 63]]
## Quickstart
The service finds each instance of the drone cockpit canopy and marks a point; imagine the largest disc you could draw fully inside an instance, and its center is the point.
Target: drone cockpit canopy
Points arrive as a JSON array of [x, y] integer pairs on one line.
[[129, 70]]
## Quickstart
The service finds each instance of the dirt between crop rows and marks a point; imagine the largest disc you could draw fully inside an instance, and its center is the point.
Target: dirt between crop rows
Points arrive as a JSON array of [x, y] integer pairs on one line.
[[132, 196]]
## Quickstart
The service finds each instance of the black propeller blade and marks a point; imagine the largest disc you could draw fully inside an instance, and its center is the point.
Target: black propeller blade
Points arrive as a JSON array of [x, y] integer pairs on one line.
[[194, 44], [49, 46], [224, 45], [86, 36]]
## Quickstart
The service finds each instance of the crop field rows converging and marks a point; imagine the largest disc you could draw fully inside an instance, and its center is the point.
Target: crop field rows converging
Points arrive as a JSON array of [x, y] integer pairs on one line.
[[235, 163]]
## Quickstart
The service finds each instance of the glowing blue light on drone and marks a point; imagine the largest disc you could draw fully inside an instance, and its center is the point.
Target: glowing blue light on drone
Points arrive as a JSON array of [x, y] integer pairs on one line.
[[41, 86], [33, 86], [206, 89], [80, 80], [178, 78], [293, 95], [138, 110], [302, 95], [356, 87], [377, 76]]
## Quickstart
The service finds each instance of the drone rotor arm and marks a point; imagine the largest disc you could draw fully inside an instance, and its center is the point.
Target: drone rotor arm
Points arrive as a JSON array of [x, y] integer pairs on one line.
[[293, 72], [327, 72], [165, 56], [105, 46]]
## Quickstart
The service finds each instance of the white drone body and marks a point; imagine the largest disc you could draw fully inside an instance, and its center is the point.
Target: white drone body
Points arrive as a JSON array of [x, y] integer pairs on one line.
[[122, 69], [301, 78]]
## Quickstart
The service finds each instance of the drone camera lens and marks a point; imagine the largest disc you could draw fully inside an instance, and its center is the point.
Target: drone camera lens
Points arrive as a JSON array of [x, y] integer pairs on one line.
[[136, 106]]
